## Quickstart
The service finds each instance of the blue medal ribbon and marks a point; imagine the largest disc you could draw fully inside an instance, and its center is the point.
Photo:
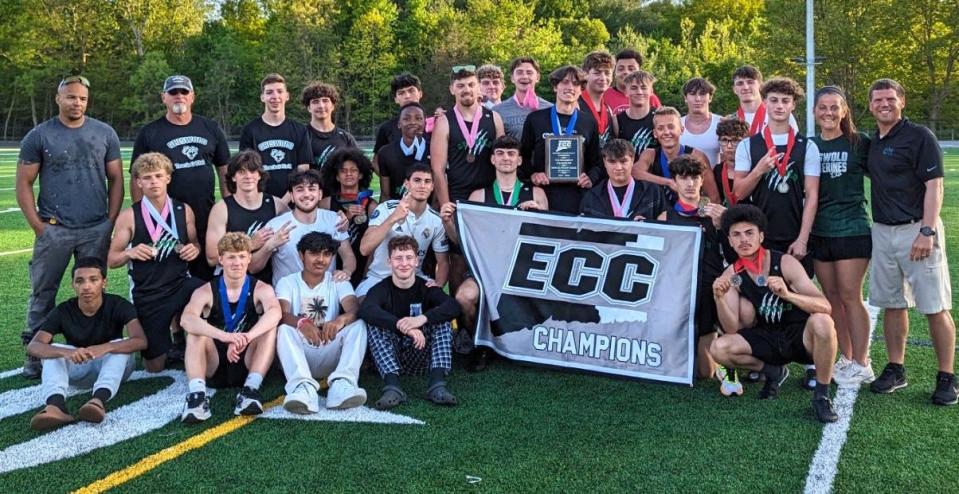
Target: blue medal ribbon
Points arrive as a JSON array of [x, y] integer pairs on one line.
[[232, 318], [664, 164], [559, 131]]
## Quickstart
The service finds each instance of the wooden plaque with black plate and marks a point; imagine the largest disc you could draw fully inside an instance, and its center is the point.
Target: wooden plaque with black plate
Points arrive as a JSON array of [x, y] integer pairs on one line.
[[564, 158]]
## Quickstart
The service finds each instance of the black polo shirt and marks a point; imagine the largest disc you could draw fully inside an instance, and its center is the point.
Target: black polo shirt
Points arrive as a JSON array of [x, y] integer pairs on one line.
[[899, 166]]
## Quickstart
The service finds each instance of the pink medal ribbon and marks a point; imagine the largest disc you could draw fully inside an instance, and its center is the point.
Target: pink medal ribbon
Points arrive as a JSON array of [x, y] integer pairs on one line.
[[620, 208], [469, 135], [530, 101], [150, 214]]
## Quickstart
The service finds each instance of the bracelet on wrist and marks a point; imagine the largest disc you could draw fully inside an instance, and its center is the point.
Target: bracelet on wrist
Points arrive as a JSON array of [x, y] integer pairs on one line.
[[301, 321]]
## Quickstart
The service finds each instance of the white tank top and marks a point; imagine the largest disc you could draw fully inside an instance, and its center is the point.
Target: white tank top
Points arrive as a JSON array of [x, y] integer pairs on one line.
[[707, 142]]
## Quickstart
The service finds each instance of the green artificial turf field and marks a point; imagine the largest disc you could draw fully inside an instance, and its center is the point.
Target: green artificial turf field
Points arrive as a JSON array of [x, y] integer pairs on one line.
[[517, 429]]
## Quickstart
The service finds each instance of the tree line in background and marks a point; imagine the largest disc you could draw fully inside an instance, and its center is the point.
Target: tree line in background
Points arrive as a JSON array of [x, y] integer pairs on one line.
[[127, 47]]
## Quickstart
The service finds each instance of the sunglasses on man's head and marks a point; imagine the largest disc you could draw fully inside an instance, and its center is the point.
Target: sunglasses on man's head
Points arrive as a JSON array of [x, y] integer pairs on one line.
[[463, 68], [178, 91], [72, 79]]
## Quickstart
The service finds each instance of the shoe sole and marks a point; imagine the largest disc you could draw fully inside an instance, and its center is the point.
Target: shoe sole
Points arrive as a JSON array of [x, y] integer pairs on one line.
[[890, 390], [194, 419], [251, 409], [297, 407], [91, 413], [945, 403], [47, 423], [351, 402]]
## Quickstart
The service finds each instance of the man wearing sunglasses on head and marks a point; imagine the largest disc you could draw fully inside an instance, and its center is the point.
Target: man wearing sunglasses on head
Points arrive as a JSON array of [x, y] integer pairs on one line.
[[69, 153], [198, 149]]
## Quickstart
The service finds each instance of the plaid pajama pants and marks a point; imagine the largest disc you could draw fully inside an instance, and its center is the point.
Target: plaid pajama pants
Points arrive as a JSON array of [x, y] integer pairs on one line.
[[395, 353]]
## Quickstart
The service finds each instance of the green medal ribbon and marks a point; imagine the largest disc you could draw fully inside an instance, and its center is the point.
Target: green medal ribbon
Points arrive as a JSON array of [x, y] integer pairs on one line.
[[513, 197]]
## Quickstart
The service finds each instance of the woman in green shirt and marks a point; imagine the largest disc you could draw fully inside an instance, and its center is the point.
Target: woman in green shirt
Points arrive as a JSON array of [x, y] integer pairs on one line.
[[841, 244]]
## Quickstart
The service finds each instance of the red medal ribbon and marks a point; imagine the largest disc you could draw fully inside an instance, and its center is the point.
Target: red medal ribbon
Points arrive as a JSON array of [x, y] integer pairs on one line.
[[727, 189], [790, 143], [759, 118], [601, 115], [755, 267]]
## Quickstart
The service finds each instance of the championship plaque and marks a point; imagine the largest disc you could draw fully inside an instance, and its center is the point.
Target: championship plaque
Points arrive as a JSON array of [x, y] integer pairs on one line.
[[564, 158]]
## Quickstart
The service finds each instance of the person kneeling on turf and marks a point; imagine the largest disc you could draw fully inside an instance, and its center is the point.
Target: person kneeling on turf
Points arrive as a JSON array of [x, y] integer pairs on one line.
[[95, 354], [231, 332], [321, 336], [783, 316], [410, 327]]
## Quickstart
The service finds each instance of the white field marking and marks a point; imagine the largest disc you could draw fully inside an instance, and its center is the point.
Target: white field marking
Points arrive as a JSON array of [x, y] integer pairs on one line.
[[129, 421], [10, 253], [358, 414], [11, 372], [825, 463], [9, 210]]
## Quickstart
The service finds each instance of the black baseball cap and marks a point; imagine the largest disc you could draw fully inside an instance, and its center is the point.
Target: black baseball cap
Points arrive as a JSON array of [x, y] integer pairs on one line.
[[177, 82]]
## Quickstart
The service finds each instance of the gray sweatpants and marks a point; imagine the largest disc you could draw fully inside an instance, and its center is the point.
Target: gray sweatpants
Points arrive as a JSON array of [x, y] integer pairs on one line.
[[107, 372]]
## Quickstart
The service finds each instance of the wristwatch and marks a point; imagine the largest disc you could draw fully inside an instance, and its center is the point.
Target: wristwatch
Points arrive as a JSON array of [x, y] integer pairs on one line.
[[927, 231]]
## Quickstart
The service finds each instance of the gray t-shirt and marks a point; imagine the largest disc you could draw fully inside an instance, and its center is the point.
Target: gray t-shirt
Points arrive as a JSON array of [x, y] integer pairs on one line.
[[514, 116], [73, 188]]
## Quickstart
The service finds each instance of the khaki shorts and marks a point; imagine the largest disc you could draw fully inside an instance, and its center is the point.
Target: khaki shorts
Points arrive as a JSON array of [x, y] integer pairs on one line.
[[895, 282]]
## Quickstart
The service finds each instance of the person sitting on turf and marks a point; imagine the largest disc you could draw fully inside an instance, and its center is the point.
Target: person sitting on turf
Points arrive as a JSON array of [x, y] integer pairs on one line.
[[621, 195], [320, 335], [410, 327], [779, 313], [96, 353], [156, 239], [694, 209], [231, 332]]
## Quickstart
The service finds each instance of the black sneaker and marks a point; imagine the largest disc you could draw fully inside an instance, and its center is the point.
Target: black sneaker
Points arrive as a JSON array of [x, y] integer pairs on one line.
[[809, 381], [248, 402], [32, 367], [890, 380], [479, 360], [946, 391], [197, 408], [822, 407], [773, 382]]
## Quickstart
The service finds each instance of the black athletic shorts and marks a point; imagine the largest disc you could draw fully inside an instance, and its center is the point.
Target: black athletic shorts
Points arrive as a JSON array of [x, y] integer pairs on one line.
[[778, 346], [228, 374], [156, 314], [706, 316], [831, 249]]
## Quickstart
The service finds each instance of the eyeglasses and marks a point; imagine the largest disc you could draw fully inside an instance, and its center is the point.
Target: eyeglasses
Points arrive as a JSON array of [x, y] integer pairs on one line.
[[72, 79], [178, 91], [729, 142], [461, 68]]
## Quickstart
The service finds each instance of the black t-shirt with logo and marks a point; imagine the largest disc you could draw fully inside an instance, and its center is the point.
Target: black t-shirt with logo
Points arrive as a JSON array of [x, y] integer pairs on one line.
[[81, 330], [324, 144], [195, 149], [899, 165], [282, 148], [639, 132]]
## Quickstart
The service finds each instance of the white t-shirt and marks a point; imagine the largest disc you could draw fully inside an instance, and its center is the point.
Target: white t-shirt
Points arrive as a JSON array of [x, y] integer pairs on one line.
[[427, 230], [707, 142], [320, 303], [286, 260], [811, 167]]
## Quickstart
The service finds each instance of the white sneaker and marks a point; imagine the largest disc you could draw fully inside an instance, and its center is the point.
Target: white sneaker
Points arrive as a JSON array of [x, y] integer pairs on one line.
[[855, 375], [841, 364], [303, 400], [344, 395]]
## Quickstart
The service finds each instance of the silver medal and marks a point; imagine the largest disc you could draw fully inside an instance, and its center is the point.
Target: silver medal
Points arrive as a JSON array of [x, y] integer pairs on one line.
[[703, 202], [783, 187], [761, 280], [736, 280], [360, 219]]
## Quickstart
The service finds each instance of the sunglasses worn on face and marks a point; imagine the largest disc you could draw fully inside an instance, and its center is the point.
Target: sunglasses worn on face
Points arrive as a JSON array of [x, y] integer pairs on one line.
[[72, 79], [178, 91], [460, 68]]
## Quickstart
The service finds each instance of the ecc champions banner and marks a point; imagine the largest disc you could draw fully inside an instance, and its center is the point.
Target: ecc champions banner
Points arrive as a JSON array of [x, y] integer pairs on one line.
[[602, 295]]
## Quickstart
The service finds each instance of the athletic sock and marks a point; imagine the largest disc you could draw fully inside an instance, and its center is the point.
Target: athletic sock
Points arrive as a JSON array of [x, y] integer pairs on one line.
[[822, 391], [58, 401], [392, 379], [253, 380], [807, 367], [102, 394], [437, 375], [197, 386]]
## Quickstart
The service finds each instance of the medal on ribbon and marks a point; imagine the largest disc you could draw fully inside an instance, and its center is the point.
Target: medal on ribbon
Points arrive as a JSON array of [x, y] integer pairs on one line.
[[232, 318], [759, 118], [469, 135], [570, 126], [513, 196], [782, 163], [620, 208]]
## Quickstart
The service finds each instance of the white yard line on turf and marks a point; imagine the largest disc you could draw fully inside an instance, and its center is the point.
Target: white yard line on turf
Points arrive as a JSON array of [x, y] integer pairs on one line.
[[12, 252], [825, 463], [9, 210], [9, 373]]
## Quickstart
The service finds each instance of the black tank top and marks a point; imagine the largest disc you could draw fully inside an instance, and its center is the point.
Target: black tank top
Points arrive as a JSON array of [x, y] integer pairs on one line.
[[250, 315], [356, 232], [162, 275], [525, 194], [656, 168], [771, 311], [714, 244], [250, 221], [783, 209], [462, 175]]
